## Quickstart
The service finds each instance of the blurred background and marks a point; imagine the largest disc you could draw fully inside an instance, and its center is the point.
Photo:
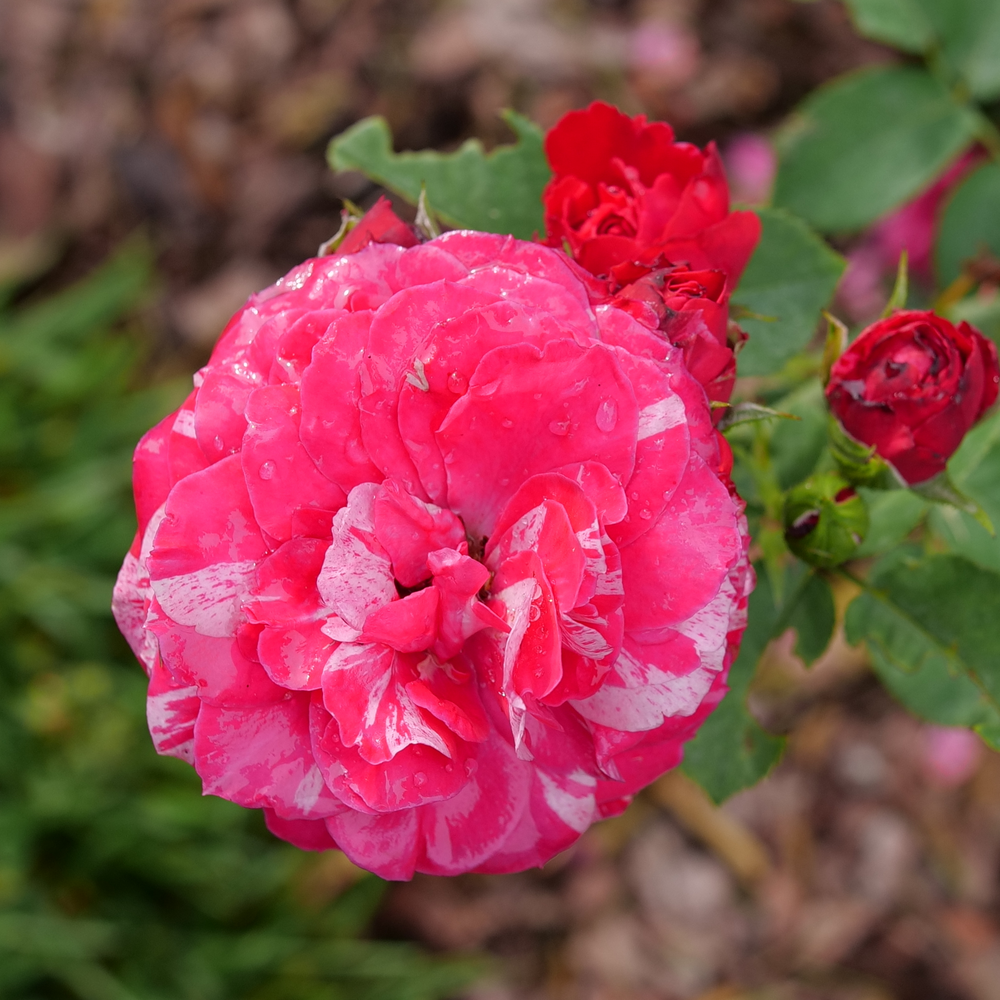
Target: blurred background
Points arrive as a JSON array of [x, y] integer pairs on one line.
[[161, 160]]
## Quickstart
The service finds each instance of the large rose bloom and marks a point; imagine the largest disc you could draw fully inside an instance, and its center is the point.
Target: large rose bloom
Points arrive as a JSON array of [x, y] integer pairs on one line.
[[435, 565]]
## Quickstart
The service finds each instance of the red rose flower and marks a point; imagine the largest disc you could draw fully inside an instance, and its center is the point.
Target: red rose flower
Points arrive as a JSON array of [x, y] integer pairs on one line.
[[690, 310], [625, 193], [911, 386]]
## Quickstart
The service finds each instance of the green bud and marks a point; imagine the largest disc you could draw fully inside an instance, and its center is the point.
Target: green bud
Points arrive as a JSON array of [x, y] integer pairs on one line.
[[825, 520]]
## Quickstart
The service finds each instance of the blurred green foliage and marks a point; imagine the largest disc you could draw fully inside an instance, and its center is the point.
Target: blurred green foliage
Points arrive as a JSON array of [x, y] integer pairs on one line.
[[118, 881]]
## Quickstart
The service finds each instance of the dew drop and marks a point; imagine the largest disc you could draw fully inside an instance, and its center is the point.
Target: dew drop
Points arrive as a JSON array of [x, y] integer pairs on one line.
[[449, 458], [607, 415], [419, 778], [507, 422], [470, 767], [218, 443], [504, 482], [559, 427], [645, 514], [634, 495], [266, 471], [537, 396], [535, 613], [457, 383]]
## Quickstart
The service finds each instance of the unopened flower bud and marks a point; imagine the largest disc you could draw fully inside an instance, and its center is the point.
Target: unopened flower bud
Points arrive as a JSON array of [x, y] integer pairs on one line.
[[825, 520]]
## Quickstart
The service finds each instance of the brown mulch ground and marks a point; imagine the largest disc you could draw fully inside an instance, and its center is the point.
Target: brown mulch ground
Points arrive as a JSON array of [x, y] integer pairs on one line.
[[850, 873]]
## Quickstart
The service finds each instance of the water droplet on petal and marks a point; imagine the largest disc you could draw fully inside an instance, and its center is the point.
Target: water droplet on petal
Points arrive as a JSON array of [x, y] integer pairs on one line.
[[449, 458], [645, 514], [419, 778], [535, 613], [507, 422], [457, 383], [470, 767], [266, 471], [634, 495], [607, 415], [537, 396], [559, 427], [218, 443]]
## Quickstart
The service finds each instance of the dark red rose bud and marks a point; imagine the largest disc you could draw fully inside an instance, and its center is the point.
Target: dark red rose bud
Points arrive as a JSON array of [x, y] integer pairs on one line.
[[911, 386]]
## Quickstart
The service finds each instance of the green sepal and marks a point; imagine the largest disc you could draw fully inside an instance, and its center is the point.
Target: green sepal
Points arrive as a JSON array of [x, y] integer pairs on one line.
[[834, 345], [425, 222], [747, 412], [350, 216], [901, 289], [858, 463]]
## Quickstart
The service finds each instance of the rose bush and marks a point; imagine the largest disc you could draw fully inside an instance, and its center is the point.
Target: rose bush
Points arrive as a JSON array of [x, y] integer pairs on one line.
[[911, 386], [650, 217], [439, 561]]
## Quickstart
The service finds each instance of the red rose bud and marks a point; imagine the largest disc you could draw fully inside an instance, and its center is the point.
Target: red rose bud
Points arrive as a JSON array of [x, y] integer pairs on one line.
[[911, 386], [825, 520], [379, 224], [625, 197], [690, 310]]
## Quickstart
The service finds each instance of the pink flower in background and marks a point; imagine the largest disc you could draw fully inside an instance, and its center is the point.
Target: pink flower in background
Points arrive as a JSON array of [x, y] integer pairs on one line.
[[436, 564], [911, 228], [951, 755], [668, 52], [751, 165], [872, 263]]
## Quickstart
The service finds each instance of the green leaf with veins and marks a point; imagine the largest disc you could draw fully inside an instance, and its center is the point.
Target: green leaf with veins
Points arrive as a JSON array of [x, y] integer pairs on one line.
[[789, 280], [496, 192], [867, 142], [929, 623]]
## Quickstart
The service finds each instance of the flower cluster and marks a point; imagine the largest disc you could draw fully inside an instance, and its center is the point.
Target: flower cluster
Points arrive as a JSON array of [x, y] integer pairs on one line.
[[439, 562], [650, 217]]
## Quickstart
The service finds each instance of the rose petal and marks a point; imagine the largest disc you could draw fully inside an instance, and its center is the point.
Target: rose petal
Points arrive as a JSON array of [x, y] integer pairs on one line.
[[280, 475], [364, 689], [690, 548], [206, 548], [356, 577], [331, 388], [261, 757], [408, 529], [530, 411]]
